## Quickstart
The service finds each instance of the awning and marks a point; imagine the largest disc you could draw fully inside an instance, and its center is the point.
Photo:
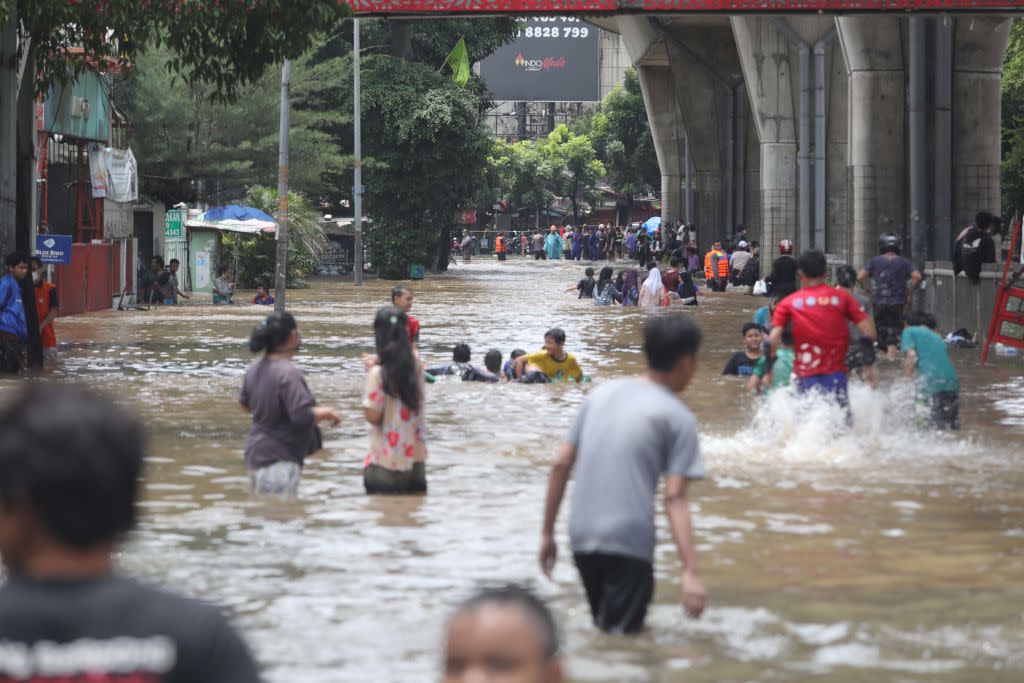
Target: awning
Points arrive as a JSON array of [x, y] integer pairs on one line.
[[251, 227]]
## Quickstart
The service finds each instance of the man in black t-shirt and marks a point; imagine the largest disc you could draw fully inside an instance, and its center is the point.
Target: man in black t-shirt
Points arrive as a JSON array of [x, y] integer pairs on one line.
[[70, 463], [782, 279]]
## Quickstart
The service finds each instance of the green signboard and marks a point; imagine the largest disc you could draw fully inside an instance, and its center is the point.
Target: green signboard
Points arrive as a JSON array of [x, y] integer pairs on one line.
[[175, 224]]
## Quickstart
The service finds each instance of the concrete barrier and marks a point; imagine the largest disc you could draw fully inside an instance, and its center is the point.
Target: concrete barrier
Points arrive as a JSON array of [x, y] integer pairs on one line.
[[955, 302]]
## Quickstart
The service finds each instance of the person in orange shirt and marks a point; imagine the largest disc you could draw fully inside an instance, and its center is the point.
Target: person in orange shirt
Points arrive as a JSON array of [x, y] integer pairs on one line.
[[47, 306]]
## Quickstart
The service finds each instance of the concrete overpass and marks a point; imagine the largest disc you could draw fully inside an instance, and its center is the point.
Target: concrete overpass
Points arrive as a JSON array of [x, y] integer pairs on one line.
[[827, 130]]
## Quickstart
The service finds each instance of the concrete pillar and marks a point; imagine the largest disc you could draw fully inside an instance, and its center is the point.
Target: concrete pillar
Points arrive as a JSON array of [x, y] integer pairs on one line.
[[702, 103], [667, 131], [872, 46], [764, 57], [979, 45]]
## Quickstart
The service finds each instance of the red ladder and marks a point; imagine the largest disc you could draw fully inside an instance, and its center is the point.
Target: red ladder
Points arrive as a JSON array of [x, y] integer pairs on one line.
[[1007, 324]]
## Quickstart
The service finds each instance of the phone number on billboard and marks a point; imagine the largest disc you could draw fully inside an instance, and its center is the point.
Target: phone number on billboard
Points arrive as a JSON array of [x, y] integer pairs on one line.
[[555, 32]]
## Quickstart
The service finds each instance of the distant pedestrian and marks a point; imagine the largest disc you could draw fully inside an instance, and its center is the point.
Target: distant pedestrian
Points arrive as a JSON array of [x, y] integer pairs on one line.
[[619, 456], [537, 245], [284, 411], [401, 297], [223, 287], [782, 280], [890, 272], [553, 245], [13, 326], [938, 387], [47, 307], [393, 405]]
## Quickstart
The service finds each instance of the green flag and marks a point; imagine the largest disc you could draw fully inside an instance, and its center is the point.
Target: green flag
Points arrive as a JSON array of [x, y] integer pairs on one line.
[[458, 60]]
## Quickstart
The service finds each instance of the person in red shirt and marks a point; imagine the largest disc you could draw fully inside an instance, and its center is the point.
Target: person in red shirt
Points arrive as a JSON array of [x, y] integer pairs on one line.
[[47, 306], [820, 317]]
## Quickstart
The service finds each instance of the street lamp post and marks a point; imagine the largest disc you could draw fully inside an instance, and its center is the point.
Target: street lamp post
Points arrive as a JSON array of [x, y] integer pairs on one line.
[[281, 265], [357, 188]]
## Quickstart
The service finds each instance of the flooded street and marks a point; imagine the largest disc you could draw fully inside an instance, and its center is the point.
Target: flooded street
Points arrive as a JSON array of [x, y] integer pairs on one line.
[[884, 554]]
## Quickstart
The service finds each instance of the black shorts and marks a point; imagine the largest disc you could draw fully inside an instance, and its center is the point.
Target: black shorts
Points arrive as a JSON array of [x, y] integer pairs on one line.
[[889, 324], [861, 354], [13, 356], [501, 256], [377, 479], [942, 410], [619, 589]]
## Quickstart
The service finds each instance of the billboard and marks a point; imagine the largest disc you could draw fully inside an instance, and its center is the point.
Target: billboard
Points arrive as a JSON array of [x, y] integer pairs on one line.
[[554, 59], [452, 7]]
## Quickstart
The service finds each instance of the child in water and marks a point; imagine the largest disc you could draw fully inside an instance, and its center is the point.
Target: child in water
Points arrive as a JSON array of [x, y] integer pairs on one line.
[[769, 376], [938, 387], [393, 405], [586, 285]]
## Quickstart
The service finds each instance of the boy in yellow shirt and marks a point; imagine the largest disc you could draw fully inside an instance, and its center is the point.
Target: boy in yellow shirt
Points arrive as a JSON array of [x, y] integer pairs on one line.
[[553, 361]]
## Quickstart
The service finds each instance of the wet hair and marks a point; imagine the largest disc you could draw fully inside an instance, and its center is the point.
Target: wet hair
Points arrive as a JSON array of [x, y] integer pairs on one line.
[[174, 260], [916, 318], [72, 458], [667, 338], [398, 291], [674, 261], [492, 361], [158, 259], [747, 327], [812, 263], [589, 272], [461, 354], [511, 595], [36, 260], [272, 333], [222, 270], [652, 264], [982, 220], [516, 353], [557, 334], [606, 274], [16, 258], [846, 276], [399, 371]]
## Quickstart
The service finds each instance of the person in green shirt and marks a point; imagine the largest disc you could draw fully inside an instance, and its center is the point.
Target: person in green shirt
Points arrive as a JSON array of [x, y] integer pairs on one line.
[[767, 377], [938, 387]]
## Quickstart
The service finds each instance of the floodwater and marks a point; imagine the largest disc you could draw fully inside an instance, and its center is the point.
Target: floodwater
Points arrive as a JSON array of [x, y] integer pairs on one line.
[[885, 554]]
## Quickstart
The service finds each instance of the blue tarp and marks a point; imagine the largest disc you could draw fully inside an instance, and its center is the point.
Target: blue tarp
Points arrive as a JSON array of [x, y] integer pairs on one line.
[[652, 224], [235, 212]]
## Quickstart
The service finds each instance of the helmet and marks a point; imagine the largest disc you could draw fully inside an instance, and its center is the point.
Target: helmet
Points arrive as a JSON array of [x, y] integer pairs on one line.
[[889, 241], [846, 276], [785, 247]]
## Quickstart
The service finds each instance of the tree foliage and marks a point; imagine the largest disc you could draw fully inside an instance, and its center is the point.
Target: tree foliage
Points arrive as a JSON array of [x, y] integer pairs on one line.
[[254, 256], [225, 43], [577, 168], [523, 174], [1013, 119]]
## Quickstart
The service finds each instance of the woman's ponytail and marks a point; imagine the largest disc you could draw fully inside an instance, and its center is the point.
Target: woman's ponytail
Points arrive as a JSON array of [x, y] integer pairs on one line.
[[273, 332]]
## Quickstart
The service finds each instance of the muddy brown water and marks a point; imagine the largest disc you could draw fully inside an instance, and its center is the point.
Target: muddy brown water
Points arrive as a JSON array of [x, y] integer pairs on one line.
[[883, 554]]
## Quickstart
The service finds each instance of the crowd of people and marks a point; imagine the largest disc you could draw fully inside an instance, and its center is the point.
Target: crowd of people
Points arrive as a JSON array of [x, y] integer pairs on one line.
[[64, 608]]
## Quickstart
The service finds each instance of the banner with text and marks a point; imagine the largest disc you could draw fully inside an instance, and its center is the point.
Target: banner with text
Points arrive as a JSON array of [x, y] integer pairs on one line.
[[554, 59]]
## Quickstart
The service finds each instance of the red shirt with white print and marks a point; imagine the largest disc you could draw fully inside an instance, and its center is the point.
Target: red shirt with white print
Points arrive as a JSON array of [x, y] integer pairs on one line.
[[821, 333]]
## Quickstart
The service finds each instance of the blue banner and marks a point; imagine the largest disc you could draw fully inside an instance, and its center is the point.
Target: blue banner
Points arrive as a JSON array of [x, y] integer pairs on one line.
[[54, 248]]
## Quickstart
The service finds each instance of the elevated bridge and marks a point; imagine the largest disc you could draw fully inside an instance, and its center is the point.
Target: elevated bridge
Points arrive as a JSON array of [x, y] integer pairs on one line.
[[826, 122]]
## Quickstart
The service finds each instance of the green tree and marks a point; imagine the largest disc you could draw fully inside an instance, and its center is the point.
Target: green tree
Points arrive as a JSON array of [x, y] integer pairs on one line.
[[429, 151], [253, 256], [622, 139], [225, 43], [1013, 119], [576, 168], [525, 175]]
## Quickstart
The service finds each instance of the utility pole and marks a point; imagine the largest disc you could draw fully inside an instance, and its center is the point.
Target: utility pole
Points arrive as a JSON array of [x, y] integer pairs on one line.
[[8, 132], [281, 265], [357, 188]]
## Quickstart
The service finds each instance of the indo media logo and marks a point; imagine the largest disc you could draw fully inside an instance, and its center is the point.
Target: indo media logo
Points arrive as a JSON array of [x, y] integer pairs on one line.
[[545, 64]]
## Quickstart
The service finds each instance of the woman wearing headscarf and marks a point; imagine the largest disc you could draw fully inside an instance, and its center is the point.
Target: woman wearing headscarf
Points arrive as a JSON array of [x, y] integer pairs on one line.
[[605, 291], [652, 293], [630, 288]]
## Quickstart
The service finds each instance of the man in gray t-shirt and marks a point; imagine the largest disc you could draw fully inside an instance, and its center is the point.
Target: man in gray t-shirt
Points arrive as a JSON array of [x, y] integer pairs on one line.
[[627, 435]]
